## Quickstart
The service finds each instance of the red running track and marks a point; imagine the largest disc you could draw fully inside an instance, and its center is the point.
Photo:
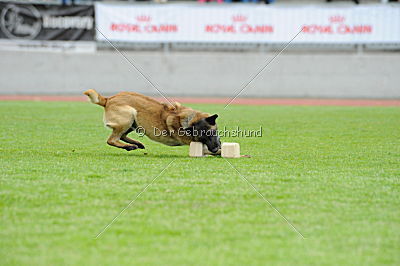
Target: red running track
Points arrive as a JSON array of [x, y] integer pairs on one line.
[[242, 101]]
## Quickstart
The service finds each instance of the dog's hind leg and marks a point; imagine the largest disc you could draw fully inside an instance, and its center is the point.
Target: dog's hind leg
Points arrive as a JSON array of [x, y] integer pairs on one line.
[[120, 120], [114, 140], [125, 138]]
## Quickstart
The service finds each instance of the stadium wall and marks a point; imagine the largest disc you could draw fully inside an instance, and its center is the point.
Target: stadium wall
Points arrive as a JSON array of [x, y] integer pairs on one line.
[[334, 75]]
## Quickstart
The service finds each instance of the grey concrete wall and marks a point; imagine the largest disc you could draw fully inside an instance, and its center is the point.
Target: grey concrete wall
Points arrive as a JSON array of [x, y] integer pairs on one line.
[[374, 75]]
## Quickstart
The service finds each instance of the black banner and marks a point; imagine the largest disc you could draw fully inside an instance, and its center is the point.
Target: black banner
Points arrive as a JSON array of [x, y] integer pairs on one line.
[[46, 22]]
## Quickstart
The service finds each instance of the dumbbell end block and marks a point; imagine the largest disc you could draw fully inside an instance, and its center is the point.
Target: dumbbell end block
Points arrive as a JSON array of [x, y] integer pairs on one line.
[[230, 150]]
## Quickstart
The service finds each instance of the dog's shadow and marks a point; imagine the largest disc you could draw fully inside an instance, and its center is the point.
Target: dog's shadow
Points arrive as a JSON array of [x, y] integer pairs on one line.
[[137, 154], [144, 155]]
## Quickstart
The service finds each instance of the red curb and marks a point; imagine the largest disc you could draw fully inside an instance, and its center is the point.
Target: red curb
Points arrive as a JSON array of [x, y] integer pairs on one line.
[[241, 101]]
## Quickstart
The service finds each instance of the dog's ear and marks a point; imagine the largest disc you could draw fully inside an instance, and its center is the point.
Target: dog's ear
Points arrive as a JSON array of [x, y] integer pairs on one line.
[[186, 120], [211, 119]]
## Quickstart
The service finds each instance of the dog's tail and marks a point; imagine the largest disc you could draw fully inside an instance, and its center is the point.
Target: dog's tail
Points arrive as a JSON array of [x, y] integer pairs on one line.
[[95, 97]]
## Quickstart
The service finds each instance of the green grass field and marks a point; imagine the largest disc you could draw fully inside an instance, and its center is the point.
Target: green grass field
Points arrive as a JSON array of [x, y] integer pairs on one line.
[[332, 171]]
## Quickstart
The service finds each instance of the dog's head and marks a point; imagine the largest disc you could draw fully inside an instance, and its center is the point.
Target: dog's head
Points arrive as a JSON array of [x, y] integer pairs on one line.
[[205, 131]]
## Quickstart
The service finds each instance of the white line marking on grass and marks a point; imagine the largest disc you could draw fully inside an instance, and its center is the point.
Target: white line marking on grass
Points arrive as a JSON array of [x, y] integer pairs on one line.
[[265, 199], [132, 201]]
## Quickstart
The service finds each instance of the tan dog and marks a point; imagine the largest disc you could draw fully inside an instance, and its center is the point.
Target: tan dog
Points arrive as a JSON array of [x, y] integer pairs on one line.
[[172, 125]]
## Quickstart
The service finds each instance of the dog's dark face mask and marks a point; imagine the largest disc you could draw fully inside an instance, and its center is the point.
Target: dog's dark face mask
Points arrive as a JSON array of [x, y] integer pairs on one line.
[[205, 131]]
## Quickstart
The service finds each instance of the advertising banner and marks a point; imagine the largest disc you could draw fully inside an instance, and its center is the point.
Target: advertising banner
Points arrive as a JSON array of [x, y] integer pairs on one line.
[[46, 22], [248, 23]]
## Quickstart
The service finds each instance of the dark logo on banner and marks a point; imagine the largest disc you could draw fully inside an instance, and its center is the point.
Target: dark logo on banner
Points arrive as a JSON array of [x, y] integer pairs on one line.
[[20, 22], [46, 22]]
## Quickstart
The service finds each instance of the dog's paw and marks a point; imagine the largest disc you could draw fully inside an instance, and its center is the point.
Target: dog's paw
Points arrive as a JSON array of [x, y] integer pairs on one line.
[[140, 145], [130, 147]]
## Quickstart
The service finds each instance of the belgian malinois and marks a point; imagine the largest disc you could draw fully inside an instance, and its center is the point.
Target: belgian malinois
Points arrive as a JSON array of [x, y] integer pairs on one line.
[[170, 124]]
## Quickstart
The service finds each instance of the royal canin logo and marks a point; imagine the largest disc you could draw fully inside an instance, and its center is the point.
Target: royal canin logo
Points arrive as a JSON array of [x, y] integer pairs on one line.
[[239, 25], [337, 25]]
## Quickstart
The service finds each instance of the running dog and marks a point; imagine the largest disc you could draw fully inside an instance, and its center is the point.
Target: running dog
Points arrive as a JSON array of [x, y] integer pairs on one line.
[[170, 124]]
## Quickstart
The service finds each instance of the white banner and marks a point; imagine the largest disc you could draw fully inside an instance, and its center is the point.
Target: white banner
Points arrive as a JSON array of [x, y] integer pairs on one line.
[[248, 23]]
